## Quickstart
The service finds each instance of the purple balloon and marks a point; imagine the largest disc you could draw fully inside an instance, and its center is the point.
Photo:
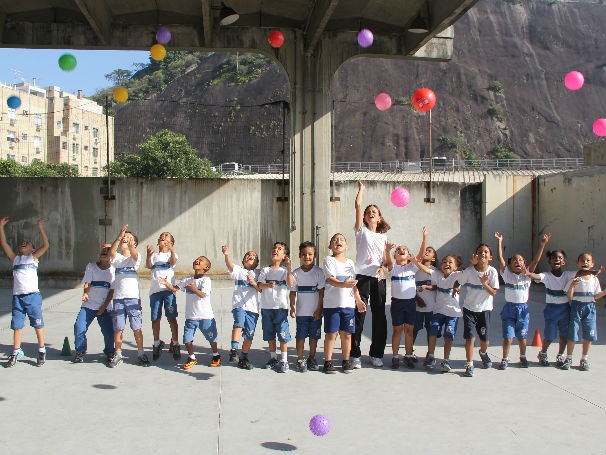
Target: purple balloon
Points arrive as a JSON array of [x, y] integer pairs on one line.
[[365, 38], [163, 35], [319, 425]]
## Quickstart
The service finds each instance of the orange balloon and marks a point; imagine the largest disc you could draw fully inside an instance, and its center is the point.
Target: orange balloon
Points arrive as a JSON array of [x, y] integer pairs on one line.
[[158, 52], [121, 94]]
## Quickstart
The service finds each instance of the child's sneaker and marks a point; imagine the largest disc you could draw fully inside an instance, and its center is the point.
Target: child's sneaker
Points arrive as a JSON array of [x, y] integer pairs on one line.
[[356, 362], [468, 371], [429, 362], [415, 359], [567, 363], [584, 365], [190, 363], [312, 364], [301, 366], [543, 359], [41, 358], [523, 362], [376, 362], [143, 361], [245, 364], [504, 364], [409, 362], [12, 359], [233, 356], [176, 351], [79, 357], [559, 361], [215, 361], [158, 350], [329, 368], [347, 366], [115, 360], [395, 363], [486, 362], [271, 364], [281, 367], [445, 366]]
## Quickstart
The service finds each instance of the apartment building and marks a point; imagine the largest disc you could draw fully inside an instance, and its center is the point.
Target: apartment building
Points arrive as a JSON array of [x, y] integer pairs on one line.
[[55, 127]]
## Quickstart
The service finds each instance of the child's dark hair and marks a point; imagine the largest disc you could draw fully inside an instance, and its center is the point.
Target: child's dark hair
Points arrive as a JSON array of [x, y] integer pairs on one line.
[[457, 259], [172, 239], [510, 258], [286, 249], [552, 253], [334, 236], [586, 253], [481, 245], [382, 226], [135, 238], [435, 255], [307, 244], [256, 263]]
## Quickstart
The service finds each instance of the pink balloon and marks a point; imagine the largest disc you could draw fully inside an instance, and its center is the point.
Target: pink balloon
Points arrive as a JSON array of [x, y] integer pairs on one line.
[[400, 197], [599, 127], [383, 101], [574, 80]]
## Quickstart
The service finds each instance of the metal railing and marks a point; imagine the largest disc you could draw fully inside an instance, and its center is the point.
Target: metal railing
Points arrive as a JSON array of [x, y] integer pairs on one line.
[[439, 165]]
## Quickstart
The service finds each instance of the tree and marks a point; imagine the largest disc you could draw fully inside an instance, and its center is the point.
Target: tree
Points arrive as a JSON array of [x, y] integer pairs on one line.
[[119, 76], [10, 168], [165, 154]]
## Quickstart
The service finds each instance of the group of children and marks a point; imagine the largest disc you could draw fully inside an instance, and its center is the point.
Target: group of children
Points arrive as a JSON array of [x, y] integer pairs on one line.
[[423, 296]]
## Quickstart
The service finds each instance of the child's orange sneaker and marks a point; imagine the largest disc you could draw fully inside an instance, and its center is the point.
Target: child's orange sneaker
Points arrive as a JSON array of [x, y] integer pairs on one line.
[[190, 363], [216, 361]]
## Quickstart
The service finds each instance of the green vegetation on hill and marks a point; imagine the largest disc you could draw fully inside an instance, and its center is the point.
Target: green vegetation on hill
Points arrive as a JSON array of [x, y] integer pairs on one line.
[[10, 168]]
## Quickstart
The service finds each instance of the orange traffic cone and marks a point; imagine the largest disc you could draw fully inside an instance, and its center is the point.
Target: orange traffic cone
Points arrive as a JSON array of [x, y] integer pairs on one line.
[[537, 341]]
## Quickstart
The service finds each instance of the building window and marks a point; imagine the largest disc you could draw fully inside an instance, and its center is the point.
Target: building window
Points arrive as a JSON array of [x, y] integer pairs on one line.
[[86, 169], [85, 148], [85, 127], [95, 172], [12, 114], [24, 136], [24, 159], [37, 141], [75, 168], [10, 156], [11, 136], [76, 128], [95, 152], [59, 125], [64, 145], [38, 120], [95, 132]]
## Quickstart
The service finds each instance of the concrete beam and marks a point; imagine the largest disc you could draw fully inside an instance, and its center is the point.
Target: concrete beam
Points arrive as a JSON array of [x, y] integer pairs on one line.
[[98, 16], [207, 23], [316, 22]]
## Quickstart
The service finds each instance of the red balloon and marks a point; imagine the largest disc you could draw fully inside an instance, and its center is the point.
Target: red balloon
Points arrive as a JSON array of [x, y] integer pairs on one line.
[[276, 38], [424, 99]]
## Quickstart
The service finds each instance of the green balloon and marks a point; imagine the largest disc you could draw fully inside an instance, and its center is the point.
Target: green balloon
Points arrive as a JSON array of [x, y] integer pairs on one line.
[[67, 62]]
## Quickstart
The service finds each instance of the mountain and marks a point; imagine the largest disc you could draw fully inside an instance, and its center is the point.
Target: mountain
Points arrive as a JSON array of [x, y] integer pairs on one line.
[[503, 88]]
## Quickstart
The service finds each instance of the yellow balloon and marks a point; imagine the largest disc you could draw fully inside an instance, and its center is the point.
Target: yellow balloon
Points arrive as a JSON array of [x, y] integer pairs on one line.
[[120, 94], [158, 52]]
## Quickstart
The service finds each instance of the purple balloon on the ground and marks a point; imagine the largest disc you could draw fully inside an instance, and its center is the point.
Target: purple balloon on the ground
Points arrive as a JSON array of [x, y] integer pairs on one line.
[[163, 35], [319, 425], [365, 38]]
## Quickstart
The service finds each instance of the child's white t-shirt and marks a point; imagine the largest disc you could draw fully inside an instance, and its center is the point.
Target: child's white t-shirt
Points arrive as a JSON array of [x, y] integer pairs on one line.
[[196, 307], [25, 274], [307, 286], [274, 298], [517, 286], [370, 247], [100, 282], [585, 291], [446, 304], [555, 286], [335, 297], [126, 283], [403, 285], [245, 294], [477, 299], [161, 268], [429, 297]]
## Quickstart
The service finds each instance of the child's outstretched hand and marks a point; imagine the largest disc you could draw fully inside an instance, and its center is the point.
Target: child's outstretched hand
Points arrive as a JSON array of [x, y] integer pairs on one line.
[[41, 223], [150, 250], [123, 231], [575, 281], [484, 277], [4, 221], [498, 235], [474, 259], [360, 185], [225, 250], [425, 232], [545, 238], [287, 262]]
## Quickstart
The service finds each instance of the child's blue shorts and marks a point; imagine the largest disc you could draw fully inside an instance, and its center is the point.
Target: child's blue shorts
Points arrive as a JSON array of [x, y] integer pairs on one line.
[[422, 320], [582, 314], [308, 327], [403, 311], [166, 299], [339, 319], [275, 324], [30, 305], [515, 318], [124, 308], [557, 318], [442, 323], [245, 320], [208, 327]]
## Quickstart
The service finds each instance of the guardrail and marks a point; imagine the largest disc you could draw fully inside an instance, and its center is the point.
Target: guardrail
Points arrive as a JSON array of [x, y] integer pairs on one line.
[[439, 165]]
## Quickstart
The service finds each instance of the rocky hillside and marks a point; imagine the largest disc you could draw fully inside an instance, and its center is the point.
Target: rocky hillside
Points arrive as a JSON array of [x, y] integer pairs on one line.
[[504, 86]]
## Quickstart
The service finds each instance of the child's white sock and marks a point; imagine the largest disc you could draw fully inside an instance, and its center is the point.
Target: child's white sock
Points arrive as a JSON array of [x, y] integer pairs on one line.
[[284, 356], [469, 364], [119, 352], [272, 355], [41, 348], [156, 343], [175, 342], [397, 356], [192, 356], [584, 358], [215, 354], [140, 352], [16, 351]]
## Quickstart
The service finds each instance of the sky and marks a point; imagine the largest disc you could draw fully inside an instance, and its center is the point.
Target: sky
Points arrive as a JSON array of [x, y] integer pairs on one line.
[[89, 75]]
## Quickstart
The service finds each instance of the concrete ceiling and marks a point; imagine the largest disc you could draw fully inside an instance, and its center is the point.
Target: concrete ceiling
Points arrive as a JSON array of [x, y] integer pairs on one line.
[[130, 24]]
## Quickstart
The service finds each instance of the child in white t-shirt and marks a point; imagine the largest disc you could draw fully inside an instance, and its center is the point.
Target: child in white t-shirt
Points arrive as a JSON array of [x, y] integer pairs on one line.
[[306, 299], [162, 265], [426, 296], [245, 304], [27, 300], [198, 311]]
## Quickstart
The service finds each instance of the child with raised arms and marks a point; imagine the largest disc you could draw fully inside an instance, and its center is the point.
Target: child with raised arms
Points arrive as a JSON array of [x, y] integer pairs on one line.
[[482, 282], [341, 297], [306, 299], [198, 311], [27, 300], [403, 302], [426, 296], [96, 304], [162, 265], [245, 305], [582, 291], [127, 302], [274, 281]]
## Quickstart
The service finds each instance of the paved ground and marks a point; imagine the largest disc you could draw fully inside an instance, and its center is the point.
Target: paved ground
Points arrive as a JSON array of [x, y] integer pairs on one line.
[[87, 408]]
